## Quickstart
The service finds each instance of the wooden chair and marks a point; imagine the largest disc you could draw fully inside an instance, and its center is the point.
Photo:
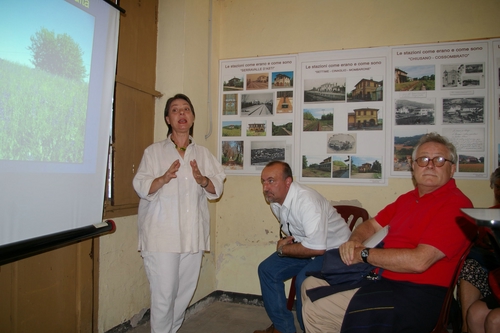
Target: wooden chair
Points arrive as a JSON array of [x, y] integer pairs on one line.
[[350, 214]]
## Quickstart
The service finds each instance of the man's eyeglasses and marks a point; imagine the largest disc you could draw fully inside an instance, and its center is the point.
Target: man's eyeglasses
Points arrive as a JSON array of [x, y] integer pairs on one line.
[[438, 161]]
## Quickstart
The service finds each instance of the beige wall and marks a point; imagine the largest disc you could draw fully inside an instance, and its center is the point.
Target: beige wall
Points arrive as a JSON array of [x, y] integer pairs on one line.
[[243, 229]]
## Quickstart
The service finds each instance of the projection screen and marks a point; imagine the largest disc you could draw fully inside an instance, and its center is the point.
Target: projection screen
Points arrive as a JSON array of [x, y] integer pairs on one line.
[[57, 70]]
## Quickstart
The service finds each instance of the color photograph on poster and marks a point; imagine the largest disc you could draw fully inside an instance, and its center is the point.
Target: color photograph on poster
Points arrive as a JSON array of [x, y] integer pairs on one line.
[[341, 166], [415, 78], [404, 142], [233, 83], [257, 81], [284, 101], [363, 89], [232, 155], [282, 127], [366, 167], [282, 80], [231, 128], [257, 128], [318, 119], [365, 119], [316, 166], [229, 104]]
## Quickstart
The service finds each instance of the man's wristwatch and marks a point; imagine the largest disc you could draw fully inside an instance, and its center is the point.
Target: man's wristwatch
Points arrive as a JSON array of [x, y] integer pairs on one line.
[[279, 251], [364, 254]]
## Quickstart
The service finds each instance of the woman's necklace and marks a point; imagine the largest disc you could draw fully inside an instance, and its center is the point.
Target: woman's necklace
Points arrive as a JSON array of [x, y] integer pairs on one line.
[[180, 148]]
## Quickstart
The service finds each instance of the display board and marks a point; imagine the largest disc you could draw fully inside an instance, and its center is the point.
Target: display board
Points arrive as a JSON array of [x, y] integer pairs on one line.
[[442, 88], [496, 96], [257, 107], [354, 116], [343, 99]]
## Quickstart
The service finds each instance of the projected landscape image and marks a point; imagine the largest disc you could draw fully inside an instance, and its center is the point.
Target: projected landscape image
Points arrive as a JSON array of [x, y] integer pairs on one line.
[[45, 69]]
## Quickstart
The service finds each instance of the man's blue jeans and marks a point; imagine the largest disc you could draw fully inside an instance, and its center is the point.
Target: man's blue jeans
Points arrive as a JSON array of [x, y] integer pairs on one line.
[[273, 272]]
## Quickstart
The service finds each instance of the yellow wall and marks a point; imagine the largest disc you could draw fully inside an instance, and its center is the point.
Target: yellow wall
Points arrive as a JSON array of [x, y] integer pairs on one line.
[[244, 230]]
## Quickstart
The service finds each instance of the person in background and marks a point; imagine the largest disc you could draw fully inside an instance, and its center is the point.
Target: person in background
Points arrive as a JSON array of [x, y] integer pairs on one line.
[[427, 236], [175, 180], [473, 280], [484, 314], [311, 226]]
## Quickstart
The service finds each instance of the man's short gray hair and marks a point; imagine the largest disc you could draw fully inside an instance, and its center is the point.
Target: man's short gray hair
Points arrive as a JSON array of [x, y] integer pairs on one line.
[[437, 138]]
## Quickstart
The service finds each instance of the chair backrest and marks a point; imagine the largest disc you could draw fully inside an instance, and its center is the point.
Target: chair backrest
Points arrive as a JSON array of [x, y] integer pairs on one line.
[[351, 214], [442, 324]]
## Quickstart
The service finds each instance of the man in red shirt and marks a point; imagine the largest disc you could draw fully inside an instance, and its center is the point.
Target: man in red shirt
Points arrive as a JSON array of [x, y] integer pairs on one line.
[[427, 236]]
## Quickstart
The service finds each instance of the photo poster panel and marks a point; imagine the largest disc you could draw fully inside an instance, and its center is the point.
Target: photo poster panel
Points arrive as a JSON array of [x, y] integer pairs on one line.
[[343, 128], [496, 109], [441, 88], [257, 107]]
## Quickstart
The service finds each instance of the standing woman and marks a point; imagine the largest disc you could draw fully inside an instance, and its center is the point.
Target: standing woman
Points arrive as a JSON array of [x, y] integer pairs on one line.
[[174, 180]]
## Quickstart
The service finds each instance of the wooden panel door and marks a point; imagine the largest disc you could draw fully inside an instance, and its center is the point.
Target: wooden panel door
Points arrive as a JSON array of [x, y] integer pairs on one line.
[[49, 292]]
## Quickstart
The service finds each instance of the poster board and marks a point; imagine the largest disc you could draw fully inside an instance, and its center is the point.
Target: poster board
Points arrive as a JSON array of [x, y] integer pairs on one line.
[[257, 105], [354, 116], [442, 88]]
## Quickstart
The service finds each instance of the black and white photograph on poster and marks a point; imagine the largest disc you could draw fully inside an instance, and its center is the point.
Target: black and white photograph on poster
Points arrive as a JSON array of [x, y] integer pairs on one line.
[[257, 81], [415, 78], [416, 111], [366, 167], [325, 90], [256, 105], [341, 143], [405, 141], [365, 89], [317, 119], [231, 128], [467, 139], [282, 79], [233, 83], [471, 162], [232, 155], [365, 119], [316, 166], [263, 152], [257, 128], [341, 166], [462, 75], [282, 127], [284, 101], [229, 104], [468, 110]]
